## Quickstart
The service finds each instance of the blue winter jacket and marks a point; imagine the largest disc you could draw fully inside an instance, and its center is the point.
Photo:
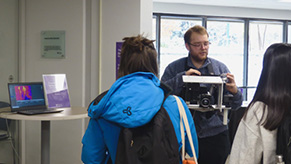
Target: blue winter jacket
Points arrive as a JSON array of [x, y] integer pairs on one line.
[[141, 92]]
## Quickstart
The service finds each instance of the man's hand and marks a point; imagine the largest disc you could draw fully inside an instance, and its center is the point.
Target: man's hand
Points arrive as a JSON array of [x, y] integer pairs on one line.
[[192, 71], [230, 85]]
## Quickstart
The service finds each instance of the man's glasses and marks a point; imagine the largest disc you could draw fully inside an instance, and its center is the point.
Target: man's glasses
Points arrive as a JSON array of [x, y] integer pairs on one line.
[[198, 45]]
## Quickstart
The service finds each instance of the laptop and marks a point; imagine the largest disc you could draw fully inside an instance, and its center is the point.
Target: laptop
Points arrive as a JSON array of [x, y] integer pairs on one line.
[[28, 98]]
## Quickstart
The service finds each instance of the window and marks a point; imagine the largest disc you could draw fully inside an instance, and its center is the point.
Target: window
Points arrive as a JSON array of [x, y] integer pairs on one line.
[[239, 43], [172, 39], [289, 32], [227, 45], [154, 37], [262, 35]]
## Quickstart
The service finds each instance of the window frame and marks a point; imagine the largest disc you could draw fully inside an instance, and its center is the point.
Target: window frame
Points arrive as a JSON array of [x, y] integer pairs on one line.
[[245, 20]]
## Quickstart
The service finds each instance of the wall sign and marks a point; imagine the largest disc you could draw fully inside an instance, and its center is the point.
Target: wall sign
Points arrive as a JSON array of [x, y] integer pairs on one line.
[[53, 44]]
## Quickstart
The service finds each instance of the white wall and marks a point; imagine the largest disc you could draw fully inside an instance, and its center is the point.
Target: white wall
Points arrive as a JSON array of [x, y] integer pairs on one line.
[[120, 19], [8, 45], [56, 15], [92, 29], [74, 17], [221, 11]]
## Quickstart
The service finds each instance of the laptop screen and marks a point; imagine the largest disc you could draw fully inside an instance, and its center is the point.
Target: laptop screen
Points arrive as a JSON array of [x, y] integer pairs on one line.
[[26, 95]]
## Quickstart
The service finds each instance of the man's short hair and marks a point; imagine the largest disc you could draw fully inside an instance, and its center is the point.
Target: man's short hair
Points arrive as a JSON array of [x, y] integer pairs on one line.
[[198, 29]]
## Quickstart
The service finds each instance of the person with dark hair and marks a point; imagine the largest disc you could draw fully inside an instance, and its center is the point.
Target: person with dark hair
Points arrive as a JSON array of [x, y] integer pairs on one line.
[[139, 91], [213, 135], [255, 139]]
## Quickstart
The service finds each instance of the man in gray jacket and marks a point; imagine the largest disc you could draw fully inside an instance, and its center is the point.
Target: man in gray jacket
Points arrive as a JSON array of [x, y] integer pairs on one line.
[[213, 136]]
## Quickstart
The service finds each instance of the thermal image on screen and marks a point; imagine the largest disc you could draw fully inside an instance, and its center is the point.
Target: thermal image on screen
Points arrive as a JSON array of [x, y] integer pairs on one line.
[[23, 92]]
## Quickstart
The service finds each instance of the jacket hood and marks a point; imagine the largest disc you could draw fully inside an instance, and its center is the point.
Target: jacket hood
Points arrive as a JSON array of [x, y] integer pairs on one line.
[[131, 101]]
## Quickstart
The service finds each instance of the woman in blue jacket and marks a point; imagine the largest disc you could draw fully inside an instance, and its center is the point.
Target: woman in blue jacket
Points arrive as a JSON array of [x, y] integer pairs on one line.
[[139, 88]]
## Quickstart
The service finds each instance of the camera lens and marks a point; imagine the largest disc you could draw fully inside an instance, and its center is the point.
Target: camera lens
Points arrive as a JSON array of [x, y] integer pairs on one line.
[[205, 102]]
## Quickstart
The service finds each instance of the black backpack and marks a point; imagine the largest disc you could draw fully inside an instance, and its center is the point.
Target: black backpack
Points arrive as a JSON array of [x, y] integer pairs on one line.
[[284, 140], [153, 143]]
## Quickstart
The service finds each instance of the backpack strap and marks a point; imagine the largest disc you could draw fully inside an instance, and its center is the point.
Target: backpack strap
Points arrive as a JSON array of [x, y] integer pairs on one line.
[[210, 69], [98, 98], [167, 90], [183, 118]]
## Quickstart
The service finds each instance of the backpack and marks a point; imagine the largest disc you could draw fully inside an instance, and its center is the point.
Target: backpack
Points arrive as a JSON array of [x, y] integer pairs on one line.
[[284, 140], [153, 143]]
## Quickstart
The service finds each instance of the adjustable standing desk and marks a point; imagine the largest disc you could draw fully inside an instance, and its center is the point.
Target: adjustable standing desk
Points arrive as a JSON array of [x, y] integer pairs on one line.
[[67, 114]]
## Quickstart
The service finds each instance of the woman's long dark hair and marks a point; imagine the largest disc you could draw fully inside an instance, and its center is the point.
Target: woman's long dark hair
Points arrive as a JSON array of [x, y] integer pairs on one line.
[[138, 54], [274, 87]]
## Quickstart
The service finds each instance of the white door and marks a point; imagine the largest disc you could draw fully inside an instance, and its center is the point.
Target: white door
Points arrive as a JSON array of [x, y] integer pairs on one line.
[[8, 45]]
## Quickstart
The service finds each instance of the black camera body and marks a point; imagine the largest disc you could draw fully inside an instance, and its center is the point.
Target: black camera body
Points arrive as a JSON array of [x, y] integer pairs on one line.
[[207, 94], [204, 96], [196, 94]]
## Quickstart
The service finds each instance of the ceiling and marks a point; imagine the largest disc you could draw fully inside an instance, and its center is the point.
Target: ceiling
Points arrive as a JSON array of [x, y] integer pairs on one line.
[[262, 4]]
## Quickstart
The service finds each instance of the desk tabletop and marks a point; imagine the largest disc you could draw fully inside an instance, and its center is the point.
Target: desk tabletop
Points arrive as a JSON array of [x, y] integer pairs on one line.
[[68, 114]]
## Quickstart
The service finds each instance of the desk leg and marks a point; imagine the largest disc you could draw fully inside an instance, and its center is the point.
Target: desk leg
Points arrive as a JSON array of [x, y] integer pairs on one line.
[[21, 140], [45, 142]]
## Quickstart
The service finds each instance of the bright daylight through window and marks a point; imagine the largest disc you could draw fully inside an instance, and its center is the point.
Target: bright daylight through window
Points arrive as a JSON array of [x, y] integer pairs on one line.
[[239, 43]]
